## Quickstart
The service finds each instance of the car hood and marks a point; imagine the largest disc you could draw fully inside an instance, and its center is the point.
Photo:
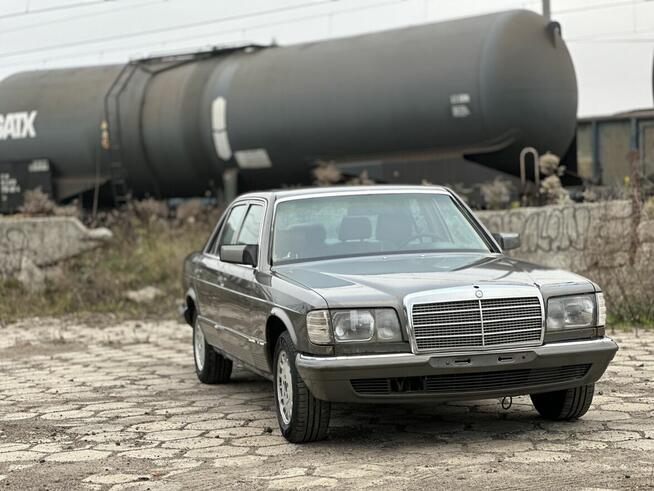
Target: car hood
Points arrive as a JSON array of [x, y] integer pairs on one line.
[[386, 280]]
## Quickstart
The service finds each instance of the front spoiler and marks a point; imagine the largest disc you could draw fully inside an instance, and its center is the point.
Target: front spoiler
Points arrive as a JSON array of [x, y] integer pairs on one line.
[[328, 378]]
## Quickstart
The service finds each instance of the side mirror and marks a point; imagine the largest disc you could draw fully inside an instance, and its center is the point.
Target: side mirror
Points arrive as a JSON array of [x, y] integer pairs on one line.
[[507, 241], [240, 254]]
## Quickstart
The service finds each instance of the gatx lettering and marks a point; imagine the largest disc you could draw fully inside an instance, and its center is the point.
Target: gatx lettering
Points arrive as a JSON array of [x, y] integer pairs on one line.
[[17, 126]]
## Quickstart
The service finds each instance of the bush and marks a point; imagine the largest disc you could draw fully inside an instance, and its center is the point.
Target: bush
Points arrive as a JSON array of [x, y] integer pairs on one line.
[[150, 209], [327, 174], [496, 193], [140, 255], [36, 202]]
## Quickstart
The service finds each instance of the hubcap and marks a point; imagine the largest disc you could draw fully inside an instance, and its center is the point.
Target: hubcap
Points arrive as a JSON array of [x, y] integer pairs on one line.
[[198, 340], [284, 388]]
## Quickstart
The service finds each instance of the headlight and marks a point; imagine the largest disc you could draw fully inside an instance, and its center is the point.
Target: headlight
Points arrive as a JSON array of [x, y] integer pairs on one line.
[[356, 325], [570, 312], [353, 325]]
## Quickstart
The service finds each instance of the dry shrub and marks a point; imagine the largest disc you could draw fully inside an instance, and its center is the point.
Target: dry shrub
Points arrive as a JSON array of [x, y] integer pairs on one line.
[[553, 190], [327, 174], [150, 209], [361, 180], [197, 210], [191, 210], [36, 202], [464, 192], [71, 210], [648, 208], [625, 275], [550, 164], [496, 193]]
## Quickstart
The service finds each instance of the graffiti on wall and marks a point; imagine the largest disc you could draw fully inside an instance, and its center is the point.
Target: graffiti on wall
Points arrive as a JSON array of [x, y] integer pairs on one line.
[[13, 247], [570, 228]]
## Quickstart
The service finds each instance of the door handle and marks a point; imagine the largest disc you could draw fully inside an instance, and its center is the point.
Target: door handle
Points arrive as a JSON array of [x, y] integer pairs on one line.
[[221, 280]]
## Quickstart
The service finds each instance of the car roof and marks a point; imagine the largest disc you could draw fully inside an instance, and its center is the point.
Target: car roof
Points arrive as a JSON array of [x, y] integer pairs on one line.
[[327, 190]]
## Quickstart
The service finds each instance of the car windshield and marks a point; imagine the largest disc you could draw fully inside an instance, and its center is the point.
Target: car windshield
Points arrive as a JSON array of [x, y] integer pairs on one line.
[[335, 226]]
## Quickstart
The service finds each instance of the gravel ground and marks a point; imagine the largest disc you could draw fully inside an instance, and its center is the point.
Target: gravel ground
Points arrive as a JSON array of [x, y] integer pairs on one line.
[[102, 405]]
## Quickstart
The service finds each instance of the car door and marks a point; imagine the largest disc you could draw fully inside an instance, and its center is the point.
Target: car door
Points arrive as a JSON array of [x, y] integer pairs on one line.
[[235, 314], [209, 280]]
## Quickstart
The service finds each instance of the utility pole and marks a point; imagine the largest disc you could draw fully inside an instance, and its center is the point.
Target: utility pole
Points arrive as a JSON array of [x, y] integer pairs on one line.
[[547, 13]]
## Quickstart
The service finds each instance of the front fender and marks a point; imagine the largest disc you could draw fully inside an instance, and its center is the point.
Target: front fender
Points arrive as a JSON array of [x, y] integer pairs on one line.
[[283, 316]]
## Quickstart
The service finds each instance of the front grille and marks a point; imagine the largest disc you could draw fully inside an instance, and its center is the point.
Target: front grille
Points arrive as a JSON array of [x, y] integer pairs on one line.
[[477, 323], [470, 382]]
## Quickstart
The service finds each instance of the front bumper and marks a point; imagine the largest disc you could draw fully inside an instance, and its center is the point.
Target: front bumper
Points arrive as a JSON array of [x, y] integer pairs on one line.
[[407, 377]]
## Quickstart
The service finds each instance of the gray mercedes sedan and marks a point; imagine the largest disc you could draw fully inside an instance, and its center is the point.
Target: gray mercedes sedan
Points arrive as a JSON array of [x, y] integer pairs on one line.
[[387, 294]]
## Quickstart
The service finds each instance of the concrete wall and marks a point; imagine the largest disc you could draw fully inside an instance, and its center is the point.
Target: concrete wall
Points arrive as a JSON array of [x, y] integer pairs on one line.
[[29, 245], [592, 239]]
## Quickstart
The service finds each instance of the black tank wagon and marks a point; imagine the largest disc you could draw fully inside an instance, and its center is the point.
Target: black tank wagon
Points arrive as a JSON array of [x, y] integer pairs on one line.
[[480, 88]]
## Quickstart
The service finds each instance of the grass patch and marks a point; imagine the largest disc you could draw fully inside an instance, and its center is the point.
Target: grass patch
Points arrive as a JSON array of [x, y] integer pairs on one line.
[[142, 253]]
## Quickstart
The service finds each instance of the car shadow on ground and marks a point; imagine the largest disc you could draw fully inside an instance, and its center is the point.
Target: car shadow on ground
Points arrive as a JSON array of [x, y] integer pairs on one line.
[[445, 424]]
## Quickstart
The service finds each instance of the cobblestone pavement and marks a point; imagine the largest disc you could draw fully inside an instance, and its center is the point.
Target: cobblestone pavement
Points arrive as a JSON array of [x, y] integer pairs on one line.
[[99, 406]]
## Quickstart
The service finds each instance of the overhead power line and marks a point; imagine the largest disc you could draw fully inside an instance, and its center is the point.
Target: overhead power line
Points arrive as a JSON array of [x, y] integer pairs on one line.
[[597, 6], [68, 6], [96, 13], [166, 29], [201, 36]]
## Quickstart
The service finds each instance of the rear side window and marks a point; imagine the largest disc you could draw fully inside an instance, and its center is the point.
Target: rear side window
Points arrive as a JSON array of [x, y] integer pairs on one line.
[[232, 224], [249, 234]]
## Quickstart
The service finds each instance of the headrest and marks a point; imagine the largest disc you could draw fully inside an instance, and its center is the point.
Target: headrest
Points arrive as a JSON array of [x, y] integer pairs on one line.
[[301, 239], [313, 233], [355, 228], [393, 227]]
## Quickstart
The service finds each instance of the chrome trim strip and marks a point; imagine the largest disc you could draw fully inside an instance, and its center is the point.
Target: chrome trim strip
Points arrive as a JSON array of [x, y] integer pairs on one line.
[[248, 202], [358, 191], [220, 327], [468, 293], [479, 334], [382, 359]]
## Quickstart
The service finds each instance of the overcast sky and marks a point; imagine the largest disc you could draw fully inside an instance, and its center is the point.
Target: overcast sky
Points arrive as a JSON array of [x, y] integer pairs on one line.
[[611, 41]]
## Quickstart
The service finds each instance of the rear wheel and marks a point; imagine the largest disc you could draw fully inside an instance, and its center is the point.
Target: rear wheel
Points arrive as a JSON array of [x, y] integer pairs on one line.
[[564, 404], [210, 366], [301, 417]]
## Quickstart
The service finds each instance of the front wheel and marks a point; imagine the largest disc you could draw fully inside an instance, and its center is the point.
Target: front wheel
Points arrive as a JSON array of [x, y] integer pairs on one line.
[[301, 417], [210, 366], [564, 404]]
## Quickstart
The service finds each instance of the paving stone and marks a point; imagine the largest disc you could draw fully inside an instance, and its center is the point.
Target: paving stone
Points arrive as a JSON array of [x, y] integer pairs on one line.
[[304, 482], [77, 456], [156, 426], [78, 414], [244, 461], [627, 406], [19, 456], [168, 435], [150, 453], [13, 447], [17, 416], [610, 436], [114, 478], [108, 415], [539, 456]]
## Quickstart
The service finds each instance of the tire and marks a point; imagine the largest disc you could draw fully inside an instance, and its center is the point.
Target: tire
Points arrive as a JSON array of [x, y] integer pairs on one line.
[[564, 405], [309, 417], [210, 366]]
